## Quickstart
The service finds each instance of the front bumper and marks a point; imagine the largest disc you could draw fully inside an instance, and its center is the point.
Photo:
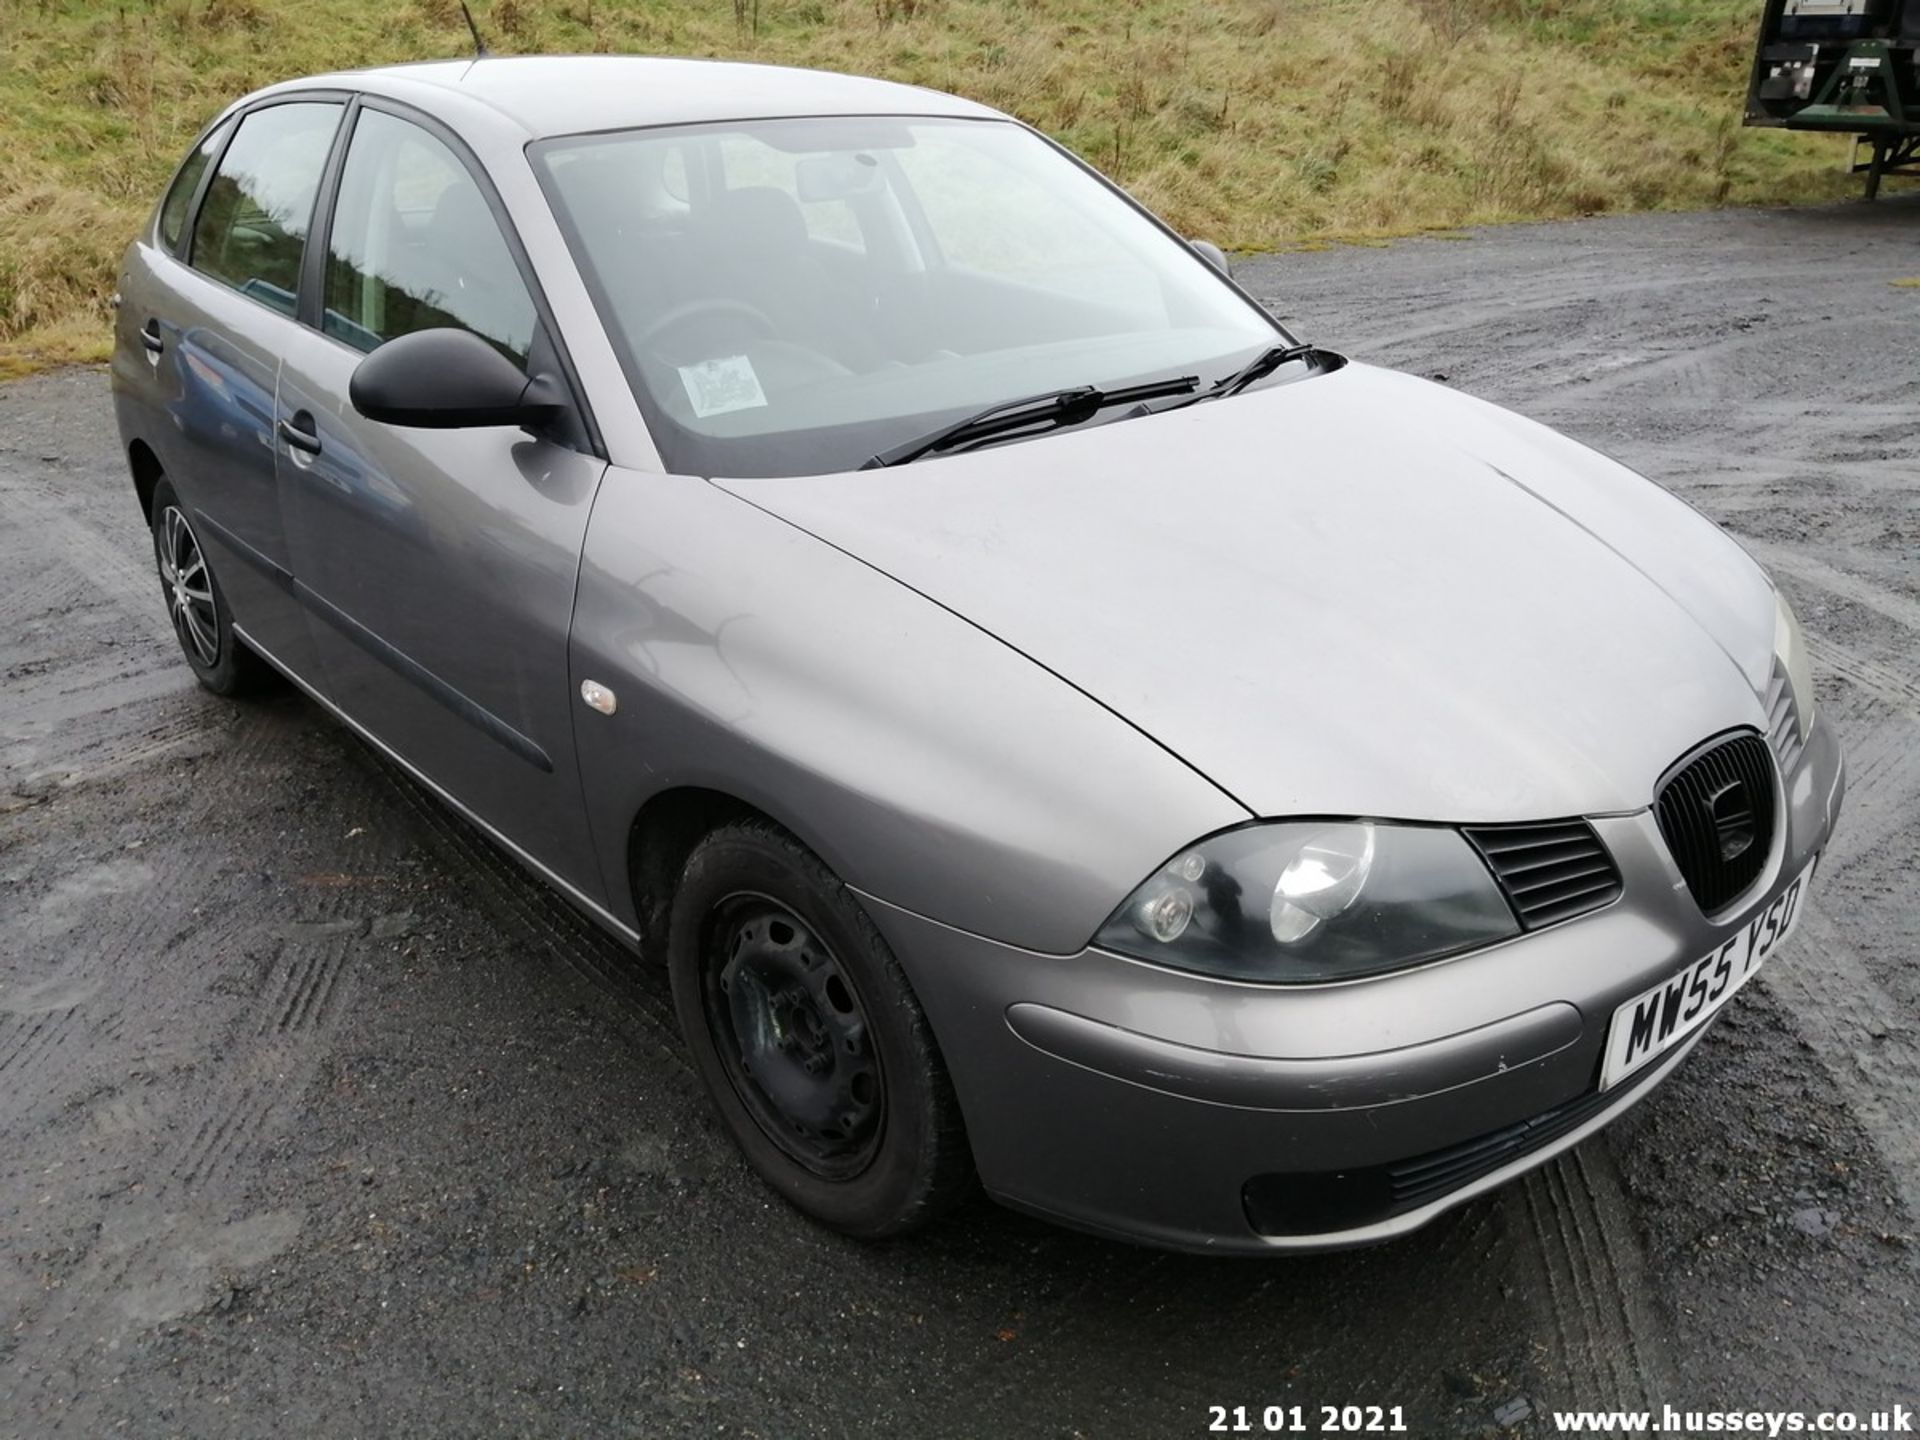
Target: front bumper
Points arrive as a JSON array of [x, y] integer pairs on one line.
[[1214, 1116]]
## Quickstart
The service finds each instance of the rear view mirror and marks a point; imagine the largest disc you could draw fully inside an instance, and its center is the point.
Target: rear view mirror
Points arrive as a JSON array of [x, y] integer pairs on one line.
[[836, 177], [448, 380], [1212, 254]]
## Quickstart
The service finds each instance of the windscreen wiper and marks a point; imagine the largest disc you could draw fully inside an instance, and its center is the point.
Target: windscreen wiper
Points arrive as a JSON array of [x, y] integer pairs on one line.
[[1258, 368], [1039, 413]]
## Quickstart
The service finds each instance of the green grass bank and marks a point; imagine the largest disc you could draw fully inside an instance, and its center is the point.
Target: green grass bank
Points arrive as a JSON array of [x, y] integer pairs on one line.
[[1256, 123]]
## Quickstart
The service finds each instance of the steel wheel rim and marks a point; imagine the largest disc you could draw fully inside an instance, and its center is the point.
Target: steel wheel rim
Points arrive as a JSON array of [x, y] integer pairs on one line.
[[188, 586], [788, 1026]]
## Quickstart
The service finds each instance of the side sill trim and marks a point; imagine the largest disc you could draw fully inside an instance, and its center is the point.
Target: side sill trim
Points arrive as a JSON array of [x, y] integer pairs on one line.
[[1258, 1082], [595, 911]]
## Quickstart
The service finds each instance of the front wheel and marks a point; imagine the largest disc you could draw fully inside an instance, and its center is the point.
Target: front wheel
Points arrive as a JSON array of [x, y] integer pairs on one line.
[[808, 1038], [196, 605]]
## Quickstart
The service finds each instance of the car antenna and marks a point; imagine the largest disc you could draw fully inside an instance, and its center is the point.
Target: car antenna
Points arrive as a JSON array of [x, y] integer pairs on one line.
[[480, 51]]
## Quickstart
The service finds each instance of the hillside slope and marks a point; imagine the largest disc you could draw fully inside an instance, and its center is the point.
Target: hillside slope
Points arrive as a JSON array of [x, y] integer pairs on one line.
[[1256, 123]]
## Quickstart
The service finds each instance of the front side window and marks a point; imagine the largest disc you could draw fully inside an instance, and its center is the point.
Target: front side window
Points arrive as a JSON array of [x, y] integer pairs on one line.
[[415, 246], [252, 227], [793, 296], [173, 209]]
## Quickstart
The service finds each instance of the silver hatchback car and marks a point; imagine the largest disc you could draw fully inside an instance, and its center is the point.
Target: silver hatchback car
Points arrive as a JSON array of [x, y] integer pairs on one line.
[[1061, 733]]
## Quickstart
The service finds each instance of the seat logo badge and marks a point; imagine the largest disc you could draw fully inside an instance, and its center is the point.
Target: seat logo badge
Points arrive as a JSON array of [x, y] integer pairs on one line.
[[1732, 815], [598, 697]]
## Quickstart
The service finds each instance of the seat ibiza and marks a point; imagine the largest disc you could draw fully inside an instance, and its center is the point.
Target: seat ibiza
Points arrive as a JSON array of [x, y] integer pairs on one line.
[[1060, 732]]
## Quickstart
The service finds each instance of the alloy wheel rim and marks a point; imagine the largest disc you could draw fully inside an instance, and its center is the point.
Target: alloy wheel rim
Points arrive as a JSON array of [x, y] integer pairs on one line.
[[791, 1033], [188, 586]]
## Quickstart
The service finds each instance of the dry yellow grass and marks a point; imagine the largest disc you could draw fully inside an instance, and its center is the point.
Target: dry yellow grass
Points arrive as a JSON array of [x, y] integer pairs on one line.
[[1257, 123]]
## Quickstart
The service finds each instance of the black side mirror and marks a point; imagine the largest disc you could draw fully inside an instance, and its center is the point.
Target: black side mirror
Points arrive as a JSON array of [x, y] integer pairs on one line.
[[448, 380], [1212, 254]]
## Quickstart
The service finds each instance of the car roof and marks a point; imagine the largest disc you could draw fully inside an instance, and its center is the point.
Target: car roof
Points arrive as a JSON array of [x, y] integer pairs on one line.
[[571, 94]]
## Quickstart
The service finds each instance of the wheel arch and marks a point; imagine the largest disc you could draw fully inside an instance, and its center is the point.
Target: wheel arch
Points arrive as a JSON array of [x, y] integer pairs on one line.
[[659, 840], [672, 821], [147, 474]]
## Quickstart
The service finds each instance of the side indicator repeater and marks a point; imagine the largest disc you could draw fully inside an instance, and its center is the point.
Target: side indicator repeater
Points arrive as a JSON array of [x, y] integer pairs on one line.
[[598, 697]]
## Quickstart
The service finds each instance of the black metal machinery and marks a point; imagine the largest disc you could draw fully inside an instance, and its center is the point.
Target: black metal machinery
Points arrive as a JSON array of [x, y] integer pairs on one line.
[[1848, 66]]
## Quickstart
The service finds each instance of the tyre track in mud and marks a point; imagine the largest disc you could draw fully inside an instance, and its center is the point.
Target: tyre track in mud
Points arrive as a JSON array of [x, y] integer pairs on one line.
[[1609, 1349], [140, 1148]]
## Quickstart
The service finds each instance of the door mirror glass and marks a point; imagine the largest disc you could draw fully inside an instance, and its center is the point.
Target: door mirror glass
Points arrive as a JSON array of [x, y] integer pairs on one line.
[[448, 380]]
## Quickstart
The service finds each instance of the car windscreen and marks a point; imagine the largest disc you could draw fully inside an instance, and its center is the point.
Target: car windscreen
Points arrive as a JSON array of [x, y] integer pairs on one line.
[[792, 296]]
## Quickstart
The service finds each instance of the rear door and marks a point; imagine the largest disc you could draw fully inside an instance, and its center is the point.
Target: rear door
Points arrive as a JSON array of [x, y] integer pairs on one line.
[[438, 566], [218, 331]]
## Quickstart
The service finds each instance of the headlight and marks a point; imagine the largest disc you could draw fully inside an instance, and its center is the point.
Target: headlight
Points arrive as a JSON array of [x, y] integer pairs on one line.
[[1790, 649], [1313, 900]]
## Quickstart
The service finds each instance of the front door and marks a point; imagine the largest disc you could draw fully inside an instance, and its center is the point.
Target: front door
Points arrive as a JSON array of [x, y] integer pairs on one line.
[[437, 566]]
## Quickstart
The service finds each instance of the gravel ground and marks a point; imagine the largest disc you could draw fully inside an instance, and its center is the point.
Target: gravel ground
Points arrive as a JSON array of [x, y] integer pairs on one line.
[[317, 1117]]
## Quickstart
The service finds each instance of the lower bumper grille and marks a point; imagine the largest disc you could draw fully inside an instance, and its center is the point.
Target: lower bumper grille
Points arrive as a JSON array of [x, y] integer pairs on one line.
[[1328, 1201], [1415, 1182]]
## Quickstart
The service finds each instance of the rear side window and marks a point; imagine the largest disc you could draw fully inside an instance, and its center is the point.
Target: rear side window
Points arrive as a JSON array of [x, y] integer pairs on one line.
[[173, 210], [415, 246], [253, 224]]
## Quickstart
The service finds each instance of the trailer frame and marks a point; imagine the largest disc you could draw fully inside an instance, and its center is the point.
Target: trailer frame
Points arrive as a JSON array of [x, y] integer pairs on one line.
[[1863, 84]]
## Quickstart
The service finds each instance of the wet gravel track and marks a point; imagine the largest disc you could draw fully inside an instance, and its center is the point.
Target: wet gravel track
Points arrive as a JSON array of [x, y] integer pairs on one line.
[[317, 1117]]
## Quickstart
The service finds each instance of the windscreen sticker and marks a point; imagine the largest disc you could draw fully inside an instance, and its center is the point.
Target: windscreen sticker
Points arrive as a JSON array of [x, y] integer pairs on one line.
[[716, 386]]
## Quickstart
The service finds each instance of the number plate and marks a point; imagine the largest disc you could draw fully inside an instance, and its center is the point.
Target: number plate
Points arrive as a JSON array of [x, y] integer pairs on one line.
[[1656, 1020]]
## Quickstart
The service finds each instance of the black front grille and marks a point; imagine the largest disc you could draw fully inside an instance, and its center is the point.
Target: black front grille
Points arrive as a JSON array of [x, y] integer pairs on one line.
[[1549, 872], [1717, 814]]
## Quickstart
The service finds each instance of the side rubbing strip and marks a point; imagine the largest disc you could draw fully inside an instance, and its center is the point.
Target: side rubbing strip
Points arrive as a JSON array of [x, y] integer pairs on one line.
[[403, 665]]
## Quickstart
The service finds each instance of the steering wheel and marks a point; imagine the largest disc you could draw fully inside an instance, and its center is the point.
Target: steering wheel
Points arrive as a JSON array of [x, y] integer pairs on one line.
[[680, 314]]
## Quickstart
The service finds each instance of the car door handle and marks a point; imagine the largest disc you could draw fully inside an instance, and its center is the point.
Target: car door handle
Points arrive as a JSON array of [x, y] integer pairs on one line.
[[299, 433], [151, 338]]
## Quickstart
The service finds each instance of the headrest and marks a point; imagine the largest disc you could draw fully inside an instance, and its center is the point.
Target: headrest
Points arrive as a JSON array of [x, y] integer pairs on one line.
[[756, 220], [464, 233]]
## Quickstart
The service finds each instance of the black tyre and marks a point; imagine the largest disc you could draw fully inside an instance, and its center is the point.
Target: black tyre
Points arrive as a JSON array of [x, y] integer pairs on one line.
[[196, 604], [808, 1038]]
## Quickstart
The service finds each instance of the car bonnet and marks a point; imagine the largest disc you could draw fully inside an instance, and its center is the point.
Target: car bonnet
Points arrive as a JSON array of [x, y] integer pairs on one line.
[[1357, 593]]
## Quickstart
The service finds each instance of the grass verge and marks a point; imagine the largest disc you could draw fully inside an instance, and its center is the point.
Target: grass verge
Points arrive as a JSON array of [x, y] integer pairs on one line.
[[1257, 123]]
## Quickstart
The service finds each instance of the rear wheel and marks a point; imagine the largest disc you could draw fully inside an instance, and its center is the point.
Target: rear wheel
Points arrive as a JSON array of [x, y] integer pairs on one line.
[[808, 1038], [196, 605]]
